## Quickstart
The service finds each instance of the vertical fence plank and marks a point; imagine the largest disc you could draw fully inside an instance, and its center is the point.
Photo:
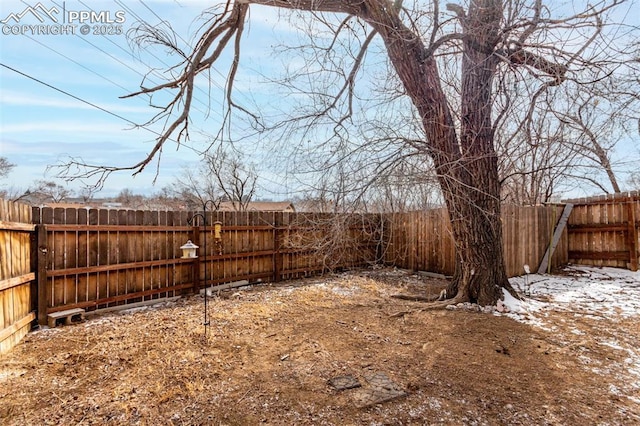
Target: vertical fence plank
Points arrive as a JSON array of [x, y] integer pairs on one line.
[[44, 293], [277, 255], [602, 231], [632, 236], [423, 239]]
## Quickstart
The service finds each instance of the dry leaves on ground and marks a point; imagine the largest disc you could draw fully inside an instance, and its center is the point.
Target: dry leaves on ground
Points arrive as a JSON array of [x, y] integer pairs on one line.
[[271, 353]]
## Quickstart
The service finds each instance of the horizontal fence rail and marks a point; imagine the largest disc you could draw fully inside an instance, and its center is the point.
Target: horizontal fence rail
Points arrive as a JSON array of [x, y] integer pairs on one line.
[[56, 259]]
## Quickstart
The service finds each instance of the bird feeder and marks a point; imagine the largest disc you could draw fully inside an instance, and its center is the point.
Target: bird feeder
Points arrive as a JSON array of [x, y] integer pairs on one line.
[[217, 230], [189, 250]]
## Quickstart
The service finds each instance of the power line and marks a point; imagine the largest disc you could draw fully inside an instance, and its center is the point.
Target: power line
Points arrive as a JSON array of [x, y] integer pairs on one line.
[[64, 92], [155, 71], [214, 82], [77, 63], [98, 107], [207, 105], [139, 18]]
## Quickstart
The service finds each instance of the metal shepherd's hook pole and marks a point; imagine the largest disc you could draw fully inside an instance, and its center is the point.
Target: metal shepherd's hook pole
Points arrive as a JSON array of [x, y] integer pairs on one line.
[[206, 261], [204, 247]]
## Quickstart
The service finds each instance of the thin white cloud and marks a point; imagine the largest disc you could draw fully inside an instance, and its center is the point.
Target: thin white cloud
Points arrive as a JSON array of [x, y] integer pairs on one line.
[[10, 97], [79, 129]]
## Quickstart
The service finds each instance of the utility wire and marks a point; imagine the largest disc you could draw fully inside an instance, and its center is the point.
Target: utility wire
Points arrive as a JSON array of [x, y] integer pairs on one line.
[[77, 63], [93, 105], [154, 71], [98, 107], [215, 83], [64, 92], [139, 18], [212, 68]]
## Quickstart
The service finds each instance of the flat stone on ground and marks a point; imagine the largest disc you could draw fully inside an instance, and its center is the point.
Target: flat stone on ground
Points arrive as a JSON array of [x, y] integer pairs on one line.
[[380, 388], [344, 382]]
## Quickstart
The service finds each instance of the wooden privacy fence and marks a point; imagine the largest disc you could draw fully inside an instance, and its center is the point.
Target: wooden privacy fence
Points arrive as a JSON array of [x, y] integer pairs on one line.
[[603, 231], [56, 259], [16, 276], [422, 240], [101, 258]]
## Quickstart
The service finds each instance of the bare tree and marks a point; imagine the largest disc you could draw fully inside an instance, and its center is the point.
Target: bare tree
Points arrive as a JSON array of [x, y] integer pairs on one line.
[[87, 193], [568, 137], [5, 167], [233, 178], [533, 168], [634, 180], [131, 200], [447, 64], [221, 177], [44, 191]]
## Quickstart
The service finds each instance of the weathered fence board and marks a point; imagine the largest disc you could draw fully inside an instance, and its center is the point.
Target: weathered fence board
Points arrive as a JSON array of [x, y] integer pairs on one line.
[[423, 241], [603, 231], [101, 258], [16, 276]]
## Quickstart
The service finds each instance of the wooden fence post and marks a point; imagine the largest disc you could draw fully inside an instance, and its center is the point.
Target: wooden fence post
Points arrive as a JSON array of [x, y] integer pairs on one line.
[[277, 256], [41, 251], [632, 236], [195, 271]]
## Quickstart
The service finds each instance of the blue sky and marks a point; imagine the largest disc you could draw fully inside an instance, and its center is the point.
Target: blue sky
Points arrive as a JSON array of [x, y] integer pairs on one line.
[[41, 126]]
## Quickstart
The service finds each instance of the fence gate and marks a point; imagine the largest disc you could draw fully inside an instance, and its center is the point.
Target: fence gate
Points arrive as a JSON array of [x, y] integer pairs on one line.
[[16, 276], [604, 231]]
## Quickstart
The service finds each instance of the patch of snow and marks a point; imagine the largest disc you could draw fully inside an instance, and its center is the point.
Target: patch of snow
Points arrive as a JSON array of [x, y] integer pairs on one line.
[[584, 290], [98, 321], [138, 309], [46, 330], [343, 291], [434, 403], [607, 295], [7, 374], [512, 303], [613, 344]]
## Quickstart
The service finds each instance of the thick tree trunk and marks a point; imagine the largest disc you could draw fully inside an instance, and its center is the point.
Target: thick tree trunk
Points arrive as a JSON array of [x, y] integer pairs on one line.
[[480, 273], [466, 164], [475, 211]]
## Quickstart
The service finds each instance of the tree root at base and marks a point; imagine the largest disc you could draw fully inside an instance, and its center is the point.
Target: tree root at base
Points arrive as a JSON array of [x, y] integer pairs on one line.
[[432, 306], [415, 298]]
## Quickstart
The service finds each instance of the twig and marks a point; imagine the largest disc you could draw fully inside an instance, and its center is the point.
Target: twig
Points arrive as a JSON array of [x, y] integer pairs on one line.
[[432, 306], [415, 298], [242, 397]]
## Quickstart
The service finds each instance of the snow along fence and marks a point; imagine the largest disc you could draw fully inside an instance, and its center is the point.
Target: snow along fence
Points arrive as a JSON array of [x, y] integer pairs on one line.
[[57, 259]]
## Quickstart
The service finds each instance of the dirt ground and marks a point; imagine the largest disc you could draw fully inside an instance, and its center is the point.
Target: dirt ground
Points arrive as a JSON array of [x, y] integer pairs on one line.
[[274, 354]]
